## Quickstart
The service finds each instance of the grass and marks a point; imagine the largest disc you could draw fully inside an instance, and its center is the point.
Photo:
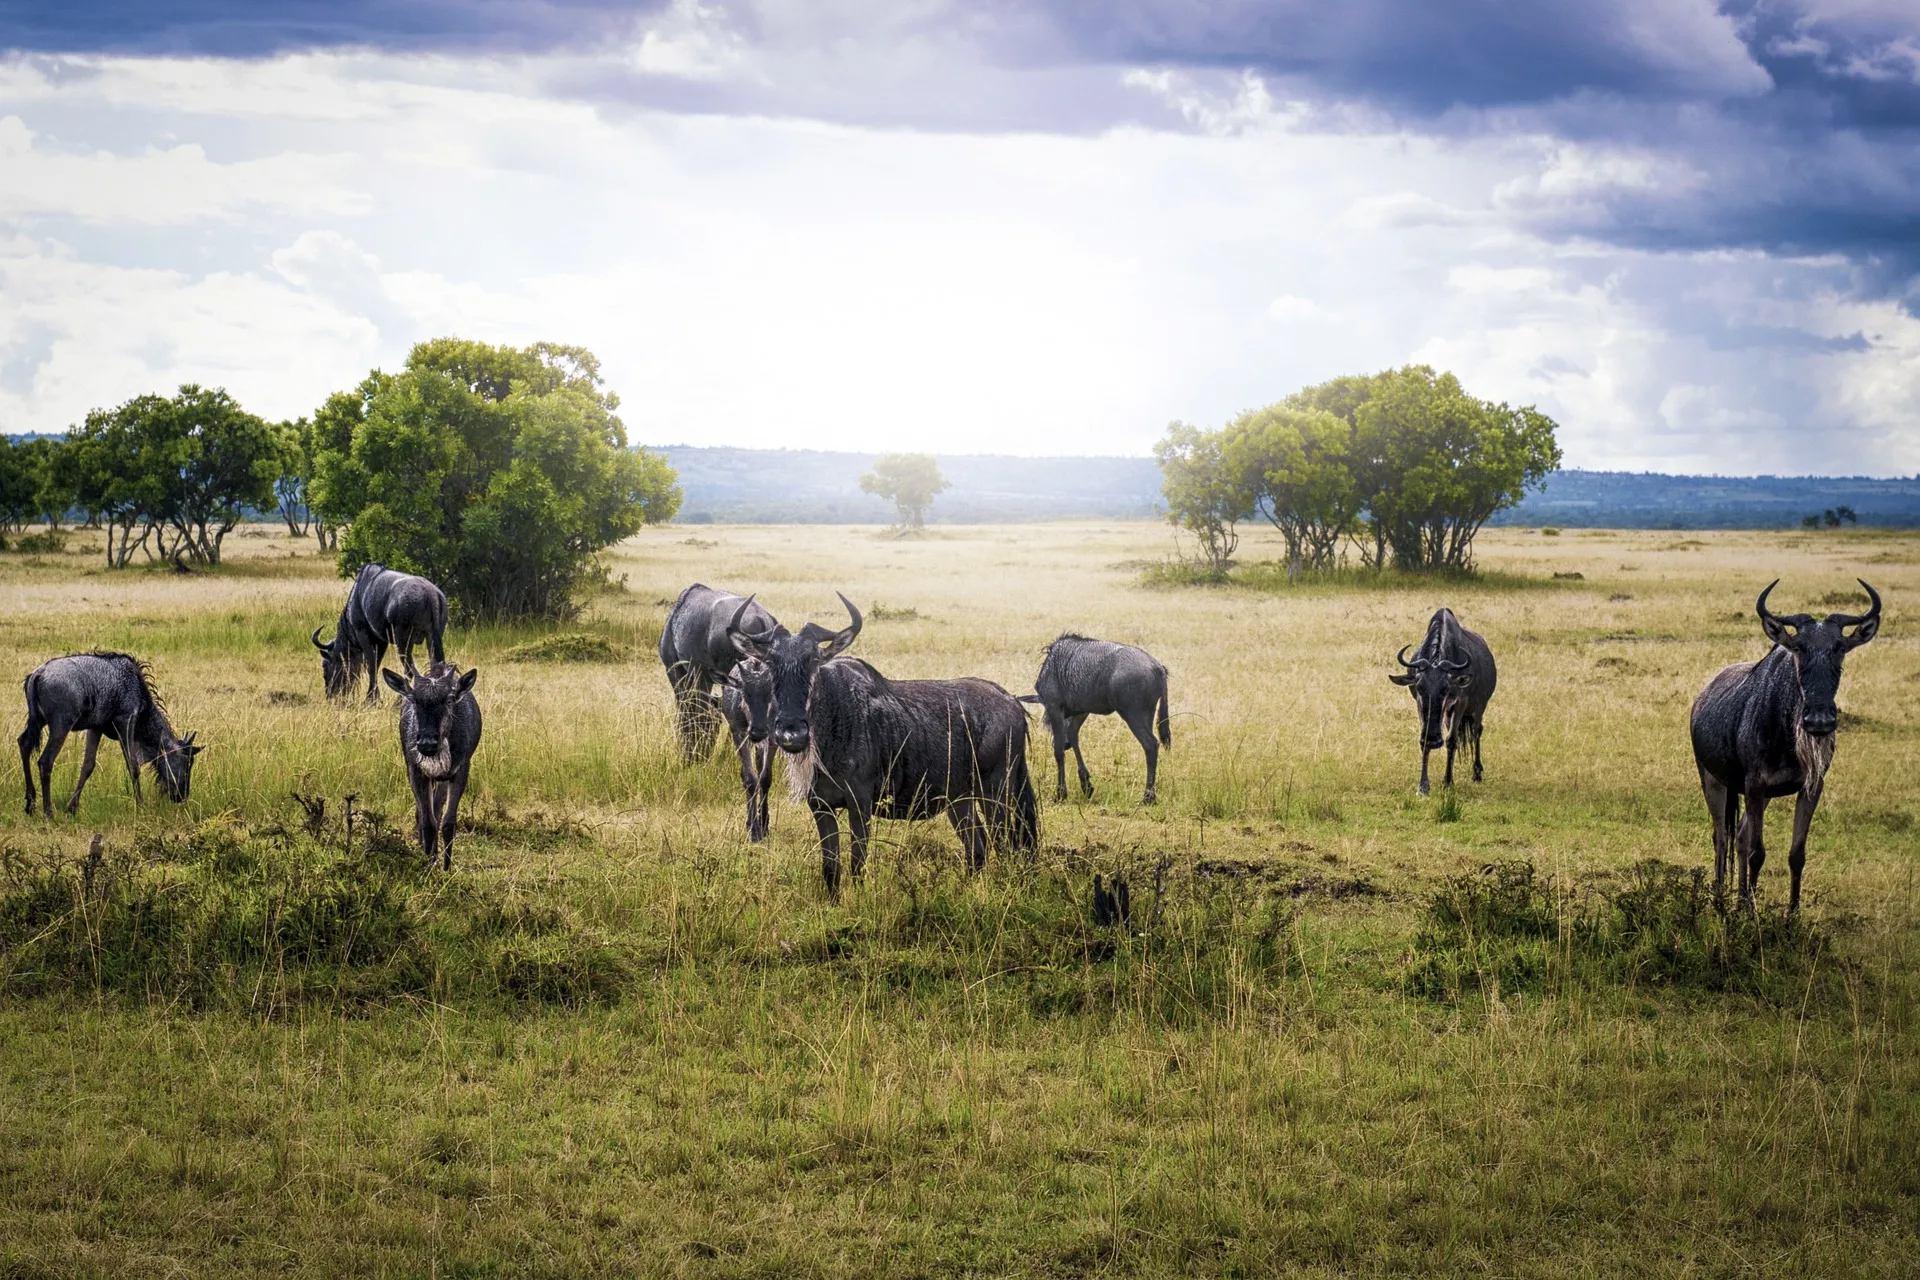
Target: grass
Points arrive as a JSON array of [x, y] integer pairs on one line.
[[1346, 1030]]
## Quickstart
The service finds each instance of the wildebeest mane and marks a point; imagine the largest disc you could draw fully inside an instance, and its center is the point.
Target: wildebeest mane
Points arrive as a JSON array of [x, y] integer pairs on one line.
[[148, 690]]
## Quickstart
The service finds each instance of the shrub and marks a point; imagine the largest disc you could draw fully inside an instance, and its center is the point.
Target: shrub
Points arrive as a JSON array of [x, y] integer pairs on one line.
[[568, 646]]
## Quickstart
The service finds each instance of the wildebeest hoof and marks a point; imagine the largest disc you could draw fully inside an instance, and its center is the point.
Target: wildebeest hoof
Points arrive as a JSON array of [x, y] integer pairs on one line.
[[1424, 789], [1086, 788], [1059, 797], [1148, 798]]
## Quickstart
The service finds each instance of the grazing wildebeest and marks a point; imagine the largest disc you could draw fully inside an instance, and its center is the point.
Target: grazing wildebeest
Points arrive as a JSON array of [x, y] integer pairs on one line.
[[439, 728], [1762, 730], [746, 700], [106, 695], [697, 654], [384, 607], [1080, 677], [894, 748], [1451, 678]]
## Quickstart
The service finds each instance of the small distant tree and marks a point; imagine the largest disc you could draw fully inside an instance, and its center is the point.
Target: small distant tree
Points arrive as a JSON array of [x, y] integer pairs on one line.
[[224, 462], [910, 481], [19, 486], [1205, 495]]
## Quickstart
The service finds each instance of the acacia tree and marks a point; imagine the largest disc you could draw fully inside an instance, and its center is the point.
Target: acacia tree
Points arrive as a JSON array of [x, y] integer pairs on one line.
[[1296, 464], [499, 472], [910, 481], [224, 463], [1205, 496]]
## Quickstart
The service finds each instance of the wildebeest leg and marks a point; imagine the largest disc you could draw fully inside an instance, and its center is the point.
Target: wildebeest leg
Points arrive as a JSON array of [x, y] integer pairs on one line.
[[1477, 775], [1726, 815], [373, 670], [1141, 722], [1425, 752], [1803, 806], [131, 754], [1058, 731], [828, 826], [750, 780], [86, 769], [425, 830], [859, 828], [972, 830], [451, 790], [764, 783], [56, 738], [1080, 761], [1453, 740], [1753, 844], [689, 698], [29, 739]]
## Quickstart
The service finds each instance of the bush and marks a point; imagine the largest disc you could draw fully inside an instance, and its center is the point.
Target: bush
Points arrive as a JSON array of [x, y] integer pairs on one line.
[[568, 646]]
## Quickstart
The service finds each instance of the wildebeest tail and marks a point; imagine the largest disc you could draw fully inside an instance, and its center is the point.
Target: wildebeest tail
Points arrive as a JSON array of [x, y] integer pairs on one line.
[[436, 639], [1029, 697], [1162, 723], [1024, 829]]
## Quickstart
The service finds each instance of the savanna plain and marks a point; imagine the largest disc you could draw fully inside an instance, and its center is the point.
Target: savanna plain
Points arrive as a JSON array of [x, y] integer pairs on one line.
[[1345, 1030]]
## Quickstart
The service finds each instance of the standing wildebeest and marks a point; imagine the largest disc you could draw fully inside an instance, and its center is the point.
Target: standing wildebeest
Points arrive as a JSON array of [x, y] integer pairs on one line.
[[1452, 679], [1762, 730], [746, 700], [104, 694], [384, 607], [697, 654], [1080, 677], [894, 748], [439, 728]]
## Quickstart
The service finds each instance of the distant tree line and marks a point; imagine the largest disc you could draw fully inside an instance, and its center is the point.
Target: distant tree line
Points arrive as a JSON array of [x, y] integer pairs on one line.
[[1401, 467], [499, 472]]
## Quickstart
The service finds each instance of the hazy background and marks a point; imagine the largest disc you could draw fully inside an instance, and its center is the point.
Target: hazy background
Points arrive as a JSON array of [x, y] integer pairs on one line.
[[1685, 230]]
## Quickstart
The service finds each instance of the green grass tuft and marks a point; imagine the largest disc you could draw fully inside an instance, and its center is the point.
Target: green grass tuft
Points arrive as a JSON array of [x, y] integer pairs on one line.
[[568, 646]]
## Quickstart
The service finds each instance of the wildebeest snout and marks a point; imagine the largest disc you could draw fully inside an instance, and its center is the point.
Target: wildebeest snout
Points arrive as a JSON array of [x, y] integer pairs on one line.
[[1821, 723], [792, 737]]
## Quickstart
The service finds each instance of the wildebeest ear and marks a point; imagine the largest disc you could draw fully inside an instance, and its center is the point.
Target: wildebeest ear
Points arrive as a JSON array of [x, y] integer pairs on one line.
[[1459, 679], [395, 683], [745, 644], [466, 681], [1402, 679]]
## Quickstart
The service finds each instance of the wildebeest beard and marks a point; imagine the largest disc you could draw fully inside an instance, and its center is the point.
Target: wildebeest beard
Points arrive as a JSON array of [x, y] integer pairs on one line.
[[440, 763]]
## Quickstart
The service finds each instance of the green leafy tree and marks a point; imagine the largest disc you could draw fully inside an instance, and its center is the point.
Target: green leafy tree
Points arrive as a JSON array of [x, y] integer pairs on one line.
[[1297, 464], [1448, 463], [216, 463], [1205, 495], [910, 481], [19, 485], [498, 472], [115, 463]]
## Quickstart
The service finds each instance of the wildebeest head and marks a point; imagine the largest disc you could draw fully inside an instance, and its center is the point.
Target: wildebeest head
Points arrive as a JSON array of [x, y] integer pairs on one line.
[[335, 670], [174, 765], [433, 694], [754, 679], [1437, 687], [1818, 649], [791, 661]]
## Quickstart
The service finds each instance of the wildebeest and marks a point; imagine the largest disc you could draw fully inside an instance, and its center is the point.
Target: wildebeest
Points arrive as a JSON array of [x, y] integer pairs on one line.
[[1451, 678], [894, 748], [384, 607], [439, 729], [105, 695], [746, 702], [1762, 730], [697, 654], [1081, 677]]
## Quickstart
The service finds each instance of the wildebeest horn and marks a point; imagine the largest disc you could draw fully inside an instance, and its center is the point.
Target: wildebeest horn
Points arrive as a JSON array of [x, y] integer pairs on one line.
[[1760, 605], [847, 637], [1457, 665], [1402, 656], [1854, 619], [733, 623], [316, 642]]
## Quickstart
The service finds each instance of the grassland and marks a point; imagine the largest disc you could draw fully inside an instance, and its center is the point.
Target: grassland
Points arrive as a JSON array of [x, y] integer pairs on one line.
[[619, 1040]]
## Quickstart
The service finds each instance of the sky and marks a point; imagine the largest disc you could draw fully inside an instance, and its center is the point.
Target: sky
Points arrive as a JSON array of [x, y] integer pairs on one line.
[[1689, 232]]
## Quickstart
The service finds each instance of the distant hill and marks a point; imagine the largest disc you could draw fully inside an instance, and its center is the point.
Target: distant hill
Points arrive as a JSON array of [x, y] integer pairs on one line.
[[815, 486]]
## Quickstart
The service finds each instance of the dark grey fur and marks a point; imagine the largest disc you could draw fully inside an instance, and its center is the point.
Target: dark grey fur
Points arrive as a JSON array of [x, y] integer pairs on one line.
[[384, 607], [1765, 729], [746, 702], [1081, 677], [439, 729], [107, 695], [1451, 678], [895, 748], [697, 655]]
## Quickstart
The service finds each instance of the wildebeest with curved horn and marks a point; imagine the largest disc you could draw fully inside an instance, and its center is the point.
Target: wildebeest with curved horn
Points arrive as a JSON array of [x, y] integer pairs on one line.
[[107, 695], [894, 748], [746, 703], [1451, 677], [439, 729], [384, 607], [1080, 677], [697, 654], [1765, 729]]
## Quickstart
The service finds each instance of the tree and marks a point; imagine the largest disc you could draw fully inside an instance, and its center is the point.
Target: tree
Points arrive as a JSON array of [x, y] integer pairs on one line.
[[498, 472], [19, 486], [1448, 462], [1297, 464], [909, 481], [1205, 496], [224, 461], [114, 462]]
